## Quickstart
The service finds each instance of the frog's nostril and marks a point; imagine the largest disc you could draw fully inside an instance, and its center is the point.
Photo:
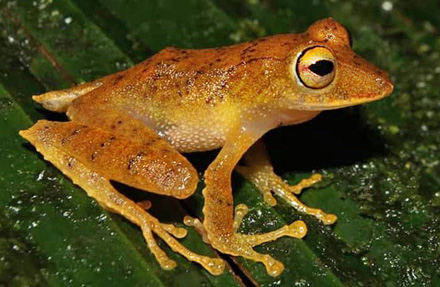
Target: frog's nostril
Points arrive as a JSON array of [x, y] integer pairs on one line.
[[386, 86], [389, 88]]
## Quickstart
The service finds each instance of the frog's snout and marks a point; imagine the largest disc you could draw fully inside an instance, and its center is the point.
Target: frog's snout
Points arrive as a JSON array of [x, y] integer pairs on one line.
[[389, 88], [386, 86]]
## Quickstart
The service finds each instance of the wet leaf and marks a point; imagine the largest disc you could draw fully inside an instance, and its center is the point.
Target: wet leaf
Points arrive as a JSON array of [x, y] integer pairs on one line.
[[381, 161]]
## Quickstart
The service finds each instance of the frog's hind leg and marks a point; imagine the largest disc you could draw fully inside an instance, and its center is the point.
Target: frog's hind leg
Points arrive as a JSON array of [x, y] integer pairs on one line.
[[88, 156], [260, 172]]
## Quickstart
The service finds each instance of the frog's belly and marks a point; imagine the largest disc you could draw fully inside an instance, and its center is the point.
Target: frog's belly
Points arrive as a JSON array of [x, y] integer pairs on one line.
[[192, 139]]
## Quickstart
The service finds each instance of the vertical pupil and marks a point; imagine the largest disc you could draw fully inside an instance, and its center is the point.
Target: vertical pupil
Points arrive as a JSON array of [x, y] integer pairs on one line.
[[322, 67]]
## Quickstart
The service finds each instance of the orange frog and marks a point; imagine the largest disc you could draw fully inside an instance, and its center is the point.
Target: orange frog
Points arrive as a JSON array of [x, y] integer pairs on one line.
[[132, 126]]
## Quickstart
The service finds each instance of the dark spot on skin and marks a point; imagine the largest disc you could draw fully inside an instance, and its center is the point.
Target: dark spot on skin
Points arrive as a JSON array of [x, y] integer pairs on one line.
[[175, 60], [198, 73], [250, 48], [220, 201], [130, 163], [119, 122], [262, 40], [102, 144], [46, 127], [179, 93], [75, 132], [231, 69], [133, 160], [218, 60], [229, 204], [112, 127], [184, 53], [326, 40], [157, 75], [63, 141], [209, 100], [69, 162], [211, 64], [93, 156], [285, 44], [112, 139], [117, 79]]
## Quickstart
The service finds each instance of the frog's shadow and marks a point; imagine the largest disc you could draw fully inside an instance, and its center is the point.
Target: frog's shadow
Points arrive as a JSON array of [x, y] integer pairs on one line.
[[333, 139]]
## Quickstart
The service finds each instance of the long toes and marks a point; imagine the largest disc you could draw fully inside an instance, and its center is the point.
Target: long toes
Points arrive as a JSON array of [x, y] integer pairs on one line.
[[177, 232], [269, 199], [168, 264], [298, 229], [273, 266], [328, 219], [215, 266]]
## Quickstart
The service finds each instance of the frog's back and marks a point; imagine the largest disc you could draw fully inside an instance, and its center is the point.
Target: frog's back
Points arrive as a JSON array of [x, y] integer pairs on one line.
[[199, 76]]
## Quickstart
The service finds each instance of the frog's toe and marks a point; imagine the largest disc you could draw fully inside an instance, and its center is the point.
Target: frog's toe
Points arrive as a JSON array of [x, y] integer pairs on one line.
[[264, 178], [177, 232], [307, 182]]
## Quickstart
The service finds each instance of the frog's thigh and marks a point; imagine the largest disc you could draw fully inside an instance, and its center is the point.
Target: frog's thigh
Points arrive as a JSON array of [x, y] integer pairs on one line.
[[152, 165], [70, 148], [259, 171]]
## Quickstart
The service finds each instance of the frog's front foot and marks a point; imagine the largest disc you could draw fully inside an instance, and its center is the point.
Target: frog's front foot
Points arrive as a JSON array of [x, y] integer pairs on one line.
[[238, 244], [259, 171], [264, 178]]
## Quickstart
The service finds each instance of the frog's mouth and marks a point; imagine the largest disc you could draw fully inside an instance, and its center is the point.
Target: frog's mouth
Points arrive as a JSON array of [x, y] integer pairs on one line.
[[351, 101]]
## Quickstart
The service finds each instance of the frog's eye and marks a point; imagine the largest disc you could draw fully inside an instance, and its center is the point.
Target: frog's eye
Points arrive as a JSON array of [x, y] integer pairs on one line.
[[316, 67]]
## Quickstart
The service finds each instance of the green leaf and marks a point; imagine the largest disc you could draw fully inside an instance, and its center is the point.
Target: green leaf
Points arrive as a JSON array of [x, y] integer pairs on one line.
[[381, 161]]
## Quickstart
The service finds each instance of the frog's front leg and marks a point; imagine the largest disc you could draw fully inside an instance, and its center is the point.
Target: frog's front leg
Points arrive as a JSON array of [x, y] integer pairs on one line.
[[259, 171], [219, 222], [92, 156]]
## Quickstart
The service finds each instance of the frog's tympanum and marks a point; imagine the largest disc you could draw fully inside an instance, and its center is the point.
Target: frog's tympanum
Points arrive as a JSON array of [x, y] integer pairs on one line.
[[132, 127]]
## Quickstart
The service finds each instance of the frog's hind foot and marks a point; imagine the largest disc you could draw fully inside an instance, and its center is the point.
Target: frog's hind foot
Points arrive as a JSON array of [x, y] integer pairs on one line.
[[242, 244], [260, 172], [45, 136]]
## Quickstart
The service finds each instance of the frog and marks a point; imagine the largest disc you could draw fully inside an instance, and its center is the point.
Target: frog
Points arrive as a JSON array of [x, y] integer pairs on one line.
[[135, 126]]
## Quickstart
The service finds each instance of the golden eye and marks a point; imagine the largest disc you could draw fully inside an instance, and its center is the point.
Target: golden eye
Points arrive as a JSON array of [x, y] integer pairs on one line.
[[316, 67]]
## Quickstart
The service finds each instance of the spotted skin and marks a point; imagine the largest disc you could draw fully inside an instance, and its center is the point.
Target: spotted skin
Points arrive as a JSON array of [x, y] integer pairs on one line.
[[131, 127]]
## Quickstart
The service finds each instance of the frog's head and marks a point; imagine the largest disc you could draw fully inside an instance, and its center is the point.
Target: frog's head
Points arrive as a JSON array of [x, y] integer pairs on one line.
[[328, 74]]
